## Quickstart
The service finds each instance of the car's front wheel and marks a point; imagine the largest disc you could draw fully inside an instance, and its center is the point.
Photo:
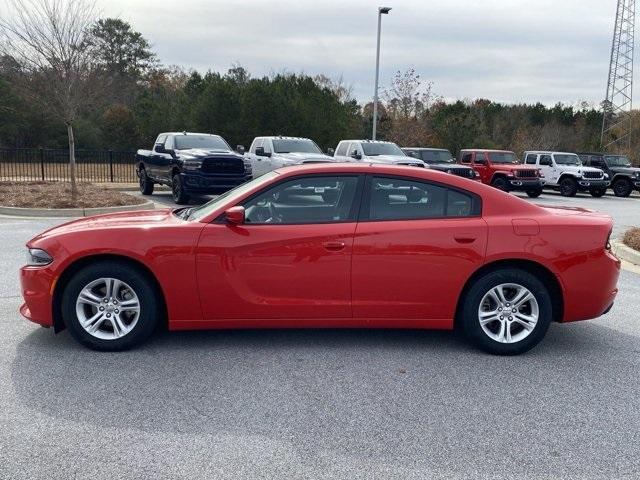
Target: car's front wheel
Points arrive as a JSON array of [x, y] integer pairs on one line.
[[110, 306], [500, 183], [568, 187], [534, 193], [622, 187], [506, 311], [146, 184], [177, 190]]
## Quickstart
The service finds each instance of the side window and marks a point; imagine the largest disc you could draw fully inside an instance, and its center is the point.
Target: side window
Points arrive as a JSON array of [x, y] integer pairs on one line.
[[403, 199], [305, 200], [160, 139], [355, 146], [342, 149], [466, 158], [479, 158], [545, 160], [168, 144], [531, 159], [257, 142], [267, 145]]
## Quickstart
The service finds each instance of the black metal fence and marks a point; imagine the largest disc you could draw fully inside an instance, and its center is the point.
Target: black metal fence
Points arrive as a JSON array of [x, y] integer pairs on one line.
[[51, 164]]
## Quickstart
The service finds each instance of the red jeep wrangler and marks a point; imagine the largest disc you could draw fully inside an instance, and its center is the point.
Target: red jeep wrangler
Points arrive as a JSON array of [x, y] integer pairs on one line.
[[501, 169]]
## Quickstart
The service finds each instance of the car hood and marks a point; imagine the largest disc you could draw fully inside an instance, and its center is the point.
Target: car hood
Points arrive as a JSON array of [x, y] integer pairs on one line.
[[627, 170], [575, 168], [511, 167], [447, 165], [395, 159], [300, 157], [138, 218], [204, 153]]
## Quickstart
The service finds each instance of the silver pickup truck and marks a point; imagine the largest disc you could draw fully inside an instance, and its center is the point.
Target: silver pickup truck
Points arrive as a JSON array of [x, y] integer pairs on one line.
[[270, 153]]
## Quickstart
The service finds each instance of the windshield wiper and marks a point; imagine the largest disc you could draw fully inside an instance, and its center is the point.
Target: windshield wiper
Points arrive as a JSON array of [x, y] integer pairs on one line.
[[184, 213]]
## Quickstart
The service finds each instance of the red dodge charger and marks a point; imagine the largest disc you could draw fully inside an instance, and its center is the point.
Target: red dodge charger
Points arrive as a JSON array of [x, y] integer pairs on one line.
[[325, 246]]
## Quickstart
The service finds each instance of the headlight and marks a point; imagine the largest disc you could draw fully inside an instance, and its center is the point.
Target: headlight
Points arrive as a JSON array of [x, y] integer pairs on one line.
[[606, 175], [38, 258], [476, 173], [192, 164], [247, 167]]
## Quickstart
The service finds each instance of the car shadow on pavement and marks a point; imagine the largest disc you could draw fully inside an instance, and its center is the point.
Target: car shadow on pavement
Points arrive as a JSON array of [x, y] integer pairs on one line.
[[357, 392]]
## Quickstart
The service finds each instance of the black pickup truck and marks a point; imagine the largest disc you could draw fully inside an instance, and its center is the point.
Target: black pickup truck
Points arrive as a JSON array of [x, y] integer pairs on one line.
[[624, 177], [441, 159], [191, 164]]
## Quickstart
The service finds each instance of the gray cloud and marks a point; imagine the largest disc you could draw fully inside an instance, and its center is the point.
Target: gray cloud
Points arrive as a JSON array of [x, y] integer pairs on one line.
[[509, 50]]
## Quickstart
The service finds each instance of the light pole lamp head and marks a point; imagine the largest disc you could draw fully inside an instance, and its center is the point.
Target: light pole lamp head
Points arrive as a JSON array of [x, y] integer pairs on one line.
[[384, 10]]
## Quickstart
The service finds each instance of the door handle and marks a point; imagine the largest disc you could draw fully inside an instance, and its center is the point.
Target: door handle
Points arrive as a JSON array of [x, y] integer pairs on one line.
[[334, 246], [464, 238]]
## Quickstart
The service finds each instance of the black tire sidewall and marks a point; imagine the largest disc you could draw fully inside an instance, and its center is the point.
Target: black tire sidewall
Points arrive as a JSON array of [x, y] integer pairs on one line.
[[137, 280], [500, 183], [471, 302], [624, 193], [534, 193], [146, 186], [574, 187], [181, 197]]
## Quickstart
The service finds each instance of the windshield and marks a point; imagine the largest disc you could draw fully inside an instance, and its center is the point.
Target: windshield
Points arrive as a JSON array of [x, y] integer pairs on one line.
[[229, 197], [503, 157], [437, 156], [567, 159], [298, 146], [185, 142], [617, 161], [374, 149]]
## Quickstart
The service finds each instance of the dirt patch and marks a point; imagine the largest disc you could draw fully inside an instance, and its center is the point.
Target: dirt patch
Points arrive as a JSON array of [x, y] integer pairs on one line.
[[632, 238], [58, 195]]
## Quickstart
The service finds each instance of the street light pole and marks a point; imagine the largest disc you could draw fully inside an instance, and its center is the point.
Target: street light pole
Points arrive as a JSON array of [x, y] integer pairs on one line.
[[381, 11]]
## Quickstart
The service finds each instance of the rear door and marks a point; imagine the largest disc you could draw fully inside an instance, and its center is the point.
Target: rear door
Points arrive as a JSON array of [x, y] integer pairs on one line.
[[416, 244], [290, 260]]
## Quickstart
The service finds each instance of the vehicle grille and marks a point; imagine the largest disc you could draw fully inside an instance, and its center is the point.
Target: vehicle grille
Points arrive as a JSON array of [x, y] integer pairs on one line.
[[462, 172], [412, 165], [592, 174], [529, 173], [224, 166]]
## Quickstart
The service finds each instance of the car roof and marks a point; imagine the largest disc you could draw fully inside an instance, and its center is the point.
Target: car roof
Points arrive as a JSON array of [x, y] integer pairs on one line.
[[550, 151], [426, 148], [603, 154], [189, 133], [485, 150], [366, 141], [283, 137]]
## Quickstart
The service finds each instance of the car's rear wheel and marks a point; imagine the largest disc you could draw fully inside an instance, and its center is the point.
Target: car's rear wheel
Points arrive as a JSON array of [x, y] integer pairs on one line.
[[622, 187], [110, 306], [177, 190], [500, 183], [146, 185], [597, 192], [534, 193], [506, 311], [568, 187]]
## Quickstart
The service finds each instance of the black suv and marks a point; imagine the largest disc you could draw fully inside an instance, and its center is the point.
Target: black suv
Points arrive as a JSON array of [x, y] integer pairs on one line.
[[441, 159], [191, 164], [624, 177]]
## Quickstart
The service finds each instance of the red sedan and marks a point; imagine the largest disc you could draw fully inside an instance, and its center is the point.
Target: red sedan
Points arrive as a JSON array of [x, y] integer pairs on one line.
[[324, 246]]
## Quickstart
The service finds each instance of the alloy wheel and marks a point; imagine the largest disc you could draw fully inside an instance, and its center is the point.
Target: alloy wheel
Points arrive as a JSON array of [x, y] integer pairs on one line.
[[508, 313], [108, 308]]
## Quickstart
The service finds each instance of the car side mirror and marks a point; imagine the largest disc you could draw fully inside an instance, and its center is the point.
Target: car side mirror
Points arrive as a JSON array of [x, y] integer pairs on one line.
[[261, 153], [240, 149], [159, 148], [331, 152], [356, 155], [235, 215]]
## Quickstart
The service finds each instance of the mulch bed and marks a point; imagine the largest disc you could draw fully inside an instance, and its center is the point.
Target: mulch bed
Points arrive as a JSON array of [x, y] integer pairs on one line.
[[58, 195], [632, 238]]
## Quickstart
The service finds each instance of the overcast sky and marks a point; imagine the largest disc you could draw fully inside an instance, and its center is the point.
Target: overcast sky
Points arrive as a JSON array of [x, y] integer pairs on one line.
[[509, 50]]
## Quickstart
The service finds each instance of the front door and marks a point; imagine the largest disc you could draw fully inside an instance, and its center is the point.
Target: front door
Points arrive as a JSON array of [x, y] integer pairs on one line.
[[290, 260], [415, 246], [481, 166], [545, 162]]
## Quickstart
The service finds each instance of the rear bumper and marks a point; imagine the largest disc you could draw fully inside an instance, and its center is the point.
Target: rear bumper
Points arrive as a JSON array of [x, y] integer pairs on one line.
[[210, 184], [37, 288]]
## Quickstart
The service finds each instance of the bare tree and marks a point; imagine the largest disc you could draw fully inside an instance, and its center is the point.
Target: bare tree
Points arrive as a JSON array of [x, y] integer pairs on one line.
[[49, 40]]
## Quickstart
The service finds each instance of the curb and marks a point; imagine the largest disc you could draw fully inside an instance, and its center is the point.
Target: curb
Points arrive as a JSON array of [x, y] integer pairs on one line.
[[625, 253], [72, 212]]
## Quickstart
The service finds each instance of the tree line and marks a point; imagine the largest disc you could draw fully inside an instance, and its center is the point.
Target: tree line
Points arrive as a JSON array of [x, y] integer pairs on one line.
[[124, 97]]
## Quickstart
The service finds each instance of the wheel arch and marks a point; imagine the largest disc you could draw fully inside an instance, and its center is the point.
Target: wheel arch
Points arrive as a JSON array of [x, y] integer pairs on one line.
[[78, 264], [539, 270]]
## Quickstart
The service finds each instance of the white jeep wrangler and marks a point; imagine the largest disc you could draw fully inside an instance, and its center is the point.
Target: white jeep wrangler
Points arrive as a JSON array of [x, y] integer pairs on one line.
[[565, 172]]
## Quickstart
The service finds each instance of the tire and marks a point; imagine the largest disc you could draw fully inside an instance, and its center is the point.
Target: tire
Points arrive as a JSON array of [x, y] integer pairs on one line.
[[500, 183], [568, 187], [622, 187], [84, 298], [177, 190], [146, 185], [534, 193], [479, 299], [597, 192]]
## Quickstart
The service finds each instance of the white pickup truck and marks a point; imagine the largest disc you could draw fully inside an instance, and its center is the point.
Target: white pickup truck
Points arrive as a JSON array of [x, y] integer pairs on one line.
[[565, 172], [374, 151], [270, 153]]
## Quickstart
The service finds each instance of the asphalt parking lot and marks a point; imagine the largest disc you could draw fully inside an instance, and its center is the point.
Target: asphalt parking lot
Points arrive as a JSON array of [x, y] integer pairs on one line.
[[321, 404]]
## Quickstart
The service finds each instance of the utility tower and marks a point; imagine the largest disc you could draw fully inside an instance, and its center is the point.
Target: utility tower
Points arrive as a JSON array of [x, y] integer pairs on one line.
[[616, 121]]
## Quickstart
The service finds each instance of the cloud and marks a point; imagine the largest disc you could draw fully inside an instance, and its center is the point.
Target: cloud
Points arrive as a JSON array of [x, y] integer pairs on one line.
[[510, 50]]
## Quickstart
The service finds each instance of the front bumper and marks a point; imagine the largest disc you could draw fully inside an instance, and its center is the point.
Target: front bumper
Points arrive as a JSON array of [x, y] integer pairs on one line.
[[587, 183], [524, 184], [37, 284], [636, 184], [212, 183]]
